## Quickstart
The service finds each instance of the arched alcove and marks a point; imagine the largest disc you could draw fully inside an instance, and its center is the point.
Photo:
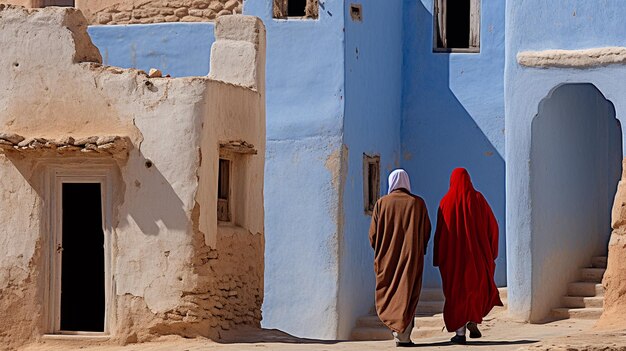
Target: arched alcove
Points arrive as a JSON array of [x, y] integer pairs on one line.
[[575, 165]]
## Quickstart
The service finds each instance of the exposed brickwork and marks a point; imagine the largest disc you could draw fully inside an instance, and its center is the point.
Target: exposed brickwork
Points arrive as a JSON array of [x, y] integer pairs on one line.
[[158, 11]]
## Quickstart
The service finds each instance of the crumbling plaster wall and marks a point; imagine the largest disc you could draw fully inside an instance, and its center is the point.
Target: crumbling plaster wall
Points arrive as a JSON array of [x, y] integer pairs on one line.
[[615, 276], [167, 278]]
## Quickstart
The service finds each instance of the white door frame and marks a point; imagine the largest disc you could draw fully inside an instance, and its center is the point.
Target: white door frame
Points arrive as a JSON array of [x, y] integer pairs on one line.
[[56, 176]]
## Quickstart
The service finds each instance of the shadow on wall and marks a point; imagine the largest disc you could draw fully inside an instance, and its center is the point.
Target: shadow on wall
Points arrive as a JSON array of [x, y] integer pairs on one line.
[[576, 156], [439, 134], [160, 207]]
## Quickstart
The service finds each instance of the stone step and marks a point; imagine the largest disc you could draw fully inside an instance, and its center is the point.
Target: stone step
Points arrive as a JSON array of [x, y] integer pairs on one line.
[[582, 302], [599, 262], [587, 289], [373, 321], [423, 333], [369, 322], [430, 294], [504, 294], [577, 313], [371, 334], [429, 307], [592, 274]]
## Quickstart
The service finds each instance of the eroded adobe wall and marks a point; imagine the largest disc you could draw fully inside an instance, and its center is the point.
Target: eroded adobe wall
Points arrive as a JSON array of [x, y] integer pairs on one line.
[[172, 273], [615, 276], [156, 11]]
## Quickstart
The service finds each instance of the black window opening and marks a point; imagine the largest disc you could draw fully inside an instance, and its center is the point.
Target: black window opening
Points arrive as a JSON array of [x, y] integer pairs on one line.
[[371, 182], [82, 258], [223, 191], [296, 8], [457, 25], [61, 3]]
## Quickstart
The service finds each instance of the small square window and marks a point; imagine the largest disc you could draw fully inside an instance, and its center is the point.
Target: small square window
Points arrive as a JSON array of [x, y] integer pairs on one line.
[[223, 191], [62, 3], [356, 12], [457, 25], [296, 8], [371, 182]]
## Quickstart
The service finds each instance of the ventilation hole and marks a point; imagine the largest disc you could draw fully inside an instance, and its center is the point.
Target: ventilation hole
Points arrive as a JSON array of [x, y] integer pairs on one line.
[[148, 164]]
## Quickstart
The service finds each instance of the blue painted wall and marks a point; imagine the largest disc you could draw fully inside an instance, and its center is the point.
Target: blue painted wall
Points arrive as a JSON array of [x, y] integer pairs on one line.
[[544, 25], [177, 49], [453, 115], [305, 111], [373, 111]]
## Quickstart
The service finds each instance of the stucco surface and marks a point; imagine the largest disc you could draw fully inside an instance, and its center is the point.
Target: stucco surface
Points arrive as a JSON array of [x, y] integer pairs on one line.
[[453, 116], [614, 278], [305, 99], [177, 49], [573, 25], [572, 187], [173, 272], [373, 58]]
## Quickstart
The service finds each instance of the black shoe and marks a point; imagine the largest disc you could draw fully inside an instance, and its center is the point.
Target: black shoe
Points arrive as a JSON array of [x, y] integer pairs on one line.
[[459, 339], [405, 344], [474, 332]]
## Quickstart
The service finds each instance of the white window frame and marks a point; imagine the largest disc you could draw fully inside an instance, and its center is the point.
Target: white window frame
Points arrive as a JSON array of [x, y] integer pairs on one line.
[[439, 27], [55, 177]]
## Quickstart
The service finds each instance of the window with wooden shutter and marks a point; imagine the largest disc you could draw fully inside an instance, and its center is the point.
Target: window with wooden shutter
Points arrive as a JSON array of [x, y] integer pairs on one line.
[[296, 9], [457, 26]]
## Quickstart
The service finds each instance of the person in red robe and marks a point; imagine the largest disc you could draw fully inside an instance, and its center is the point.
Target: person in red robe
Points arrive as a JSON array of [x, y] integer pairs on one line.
[[466, 246]]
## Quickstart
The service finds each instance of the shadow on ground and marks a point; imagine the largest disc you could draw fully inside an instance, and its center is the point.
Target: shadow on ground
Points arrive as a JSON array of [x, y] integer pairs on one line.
[[477, 343], [253, 335]]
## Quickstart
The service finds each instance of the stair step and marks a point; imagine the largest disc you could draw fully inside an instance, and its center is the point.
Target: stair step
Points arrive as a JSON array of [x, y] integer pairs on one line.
[[371, 321], [582, 302], [585, 289], [423, 333], [429, 307], [504, 293], [577, 313], [592, 274], [599, 261], [428, 294], [373, 334]]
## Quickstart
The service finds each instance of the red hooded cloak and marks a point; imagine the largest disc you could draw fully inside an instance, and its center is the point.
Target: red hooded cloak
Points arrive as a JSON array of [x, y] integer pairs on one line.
[[466, 246]]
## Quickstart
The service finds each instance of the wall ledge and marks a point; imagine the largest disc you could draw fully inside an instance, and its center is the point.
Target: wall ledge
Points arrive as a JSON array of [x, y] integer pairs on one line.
[[587, 58]]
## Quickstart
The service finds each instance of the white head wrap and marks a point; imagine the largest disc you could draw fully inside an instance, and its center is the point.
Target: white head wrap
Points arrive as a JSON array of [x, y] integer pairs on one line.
[[399, 179]]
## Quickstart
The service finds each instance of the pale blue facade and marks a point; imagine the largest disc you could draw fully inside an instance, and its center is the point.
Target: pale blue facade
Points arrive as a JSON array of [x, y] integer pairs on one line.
[[339, 88], [541, 258]]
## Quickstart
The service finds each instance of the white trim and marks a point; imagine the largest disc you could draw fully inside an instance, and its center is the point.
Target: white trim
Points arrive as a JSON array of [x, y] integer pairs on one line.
[[55, 176]]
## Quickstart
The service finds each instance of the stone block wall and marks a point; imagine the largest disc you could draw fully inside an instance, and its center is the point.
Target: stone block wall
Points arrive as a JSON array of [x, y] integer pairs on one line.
[[159, 11]]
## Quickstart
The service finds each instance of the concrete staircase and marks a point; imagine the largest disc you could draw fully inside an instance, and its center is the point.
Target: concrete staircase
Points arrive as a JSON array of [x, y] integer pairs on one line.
[[585, 298], [428, 319]]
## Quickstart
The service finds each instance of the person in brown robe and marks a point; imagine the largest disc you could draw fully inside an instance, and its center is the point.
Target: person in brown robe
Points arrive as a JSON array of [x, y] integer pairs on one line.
[[399, 233]]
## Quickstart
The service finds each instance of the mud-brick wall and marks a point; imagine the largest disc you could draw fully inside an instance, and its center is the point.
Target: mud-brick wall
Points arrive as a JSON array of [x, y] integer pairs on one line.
[[230, 287], [157, 11]]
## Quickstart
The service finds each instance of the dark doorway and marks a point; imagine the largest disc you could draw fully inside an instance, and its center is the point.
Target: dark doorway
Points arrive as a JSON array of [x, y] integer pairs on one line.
[[296, 8], [458, 24], [82, 267]]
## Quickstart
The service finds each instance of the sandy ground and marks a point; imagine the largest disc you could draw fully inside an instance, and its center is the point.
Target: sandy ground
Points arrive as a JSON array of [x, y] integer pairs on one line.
[[499, 333]]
